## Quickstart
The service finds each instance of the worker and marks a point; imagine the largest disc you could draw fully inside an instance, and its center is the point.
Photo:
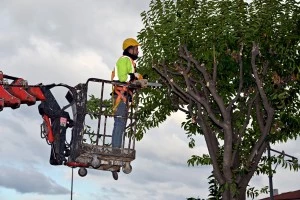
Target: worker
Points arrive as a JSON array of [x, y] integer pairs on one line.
[[124, 72]]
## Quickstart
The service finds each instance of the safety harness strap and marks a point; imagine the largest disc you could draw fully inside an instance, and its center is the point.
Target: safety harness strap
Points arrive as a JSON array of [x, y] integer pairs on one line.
[[122, 92]]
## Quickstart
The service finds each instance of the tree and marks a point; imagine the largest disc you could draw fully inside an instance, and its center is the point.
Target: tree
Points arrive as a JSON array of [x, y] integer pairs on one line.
[[233, 68]]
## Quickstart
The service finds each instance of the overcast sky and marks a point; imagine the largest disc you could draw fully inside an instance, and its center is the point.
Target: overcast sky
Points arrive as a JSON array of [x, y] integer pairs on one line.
[[68, 42]]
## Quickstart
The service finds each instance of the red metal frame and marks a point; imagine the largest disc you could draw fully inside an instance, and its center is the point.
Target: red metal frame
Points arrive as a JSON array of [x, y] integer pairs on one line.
[[76, 164], [50, 135], [1, 104], [17, 88], [9, 100], [37, 93], [18, 92]]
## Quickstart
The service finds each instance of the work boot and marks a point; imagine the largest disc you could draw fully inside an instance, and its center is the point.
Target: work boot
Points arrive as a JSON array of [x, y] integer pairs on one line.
[[115, 175]]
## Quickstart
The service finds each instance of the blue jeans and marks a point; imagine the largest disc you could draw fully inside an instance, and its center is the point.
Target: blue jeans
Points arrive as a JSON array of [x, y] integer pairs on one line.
[[119, 124]]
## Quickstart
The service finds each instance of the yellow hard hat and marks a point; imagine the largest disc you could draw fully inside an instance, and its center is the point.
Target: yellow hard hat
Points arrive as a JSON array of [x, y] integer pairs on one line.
[[130, 42]]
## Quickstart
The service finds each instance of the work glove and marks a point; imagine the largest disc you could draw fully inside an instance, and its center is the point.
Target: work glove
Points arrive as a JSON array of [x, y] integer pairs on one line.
[[135, 76], [141, 82], [138, 76]]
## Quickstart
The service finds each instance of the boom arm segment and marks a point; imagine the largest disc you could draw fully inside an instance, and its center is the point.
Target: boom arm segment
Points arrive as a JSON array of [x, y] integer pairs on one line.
[[18, 92]]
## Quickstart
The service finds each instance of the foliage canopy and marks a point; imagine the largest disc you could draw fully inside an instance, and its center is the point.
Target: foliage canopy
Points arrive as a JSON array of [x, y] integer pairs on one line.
[[233, 68]]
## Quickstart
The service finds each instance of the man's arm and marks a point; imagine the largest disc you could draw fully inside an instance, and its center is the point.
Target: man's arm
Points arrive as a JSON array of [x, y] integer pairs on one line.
[[124, 67]]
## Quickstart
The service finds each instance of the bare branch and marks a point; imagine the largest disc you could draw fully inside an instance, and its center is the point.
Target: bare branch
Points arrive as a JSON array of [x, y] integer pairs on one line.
[[255, 52], [264, 127], [189, 94], [265, 67], [242, 131], [259, 114], [248, 115], [183, 110], [205, 91], [209, 83], [240, 60], [215, 66], [205, 104]]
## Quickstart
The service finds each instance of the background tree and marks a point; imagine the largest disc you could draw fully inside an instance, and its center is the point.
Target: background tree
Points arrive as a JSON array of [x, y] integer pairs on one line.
[[233, 68]]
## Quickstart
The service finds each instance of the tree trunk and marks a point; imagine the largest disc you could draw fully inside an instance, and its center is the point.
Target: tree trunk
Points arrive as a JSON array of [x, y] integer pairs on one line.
[[235, 195], [242, 193]]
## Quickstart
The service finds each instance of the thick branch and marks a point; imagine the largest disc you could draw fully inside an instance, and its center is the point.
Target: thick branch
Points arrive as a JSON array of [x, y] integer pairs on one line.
[[259, 115], [205, 91], [212, 145], [242, 131], [255, 52], [266, 127]]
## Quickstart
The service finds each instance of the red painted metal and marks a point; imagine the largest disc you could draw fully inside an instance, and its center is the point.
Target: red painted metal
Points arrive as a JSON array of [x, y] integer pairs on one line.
[[50, 135], [18, 92], [1, 104], [76, 164], [17, 88], [9, 99], [36, 92]]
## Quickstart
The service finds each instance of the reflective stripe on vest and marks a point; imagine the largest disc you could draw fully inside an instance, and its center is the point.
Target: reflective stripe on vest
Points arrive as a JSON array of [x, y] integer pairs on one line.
[[115, 76]]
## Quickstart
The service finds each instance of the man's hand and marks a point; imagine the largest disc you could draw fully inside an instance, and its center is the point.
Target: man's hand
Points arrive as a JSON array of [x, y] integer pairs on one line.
[[138, 76], [135, 76], [141, 82]]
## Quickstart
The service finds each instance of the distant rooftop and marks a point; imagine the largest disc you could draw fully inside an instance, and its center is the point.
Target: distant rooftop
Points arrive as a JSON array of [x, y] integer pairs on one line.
[[294, 195]]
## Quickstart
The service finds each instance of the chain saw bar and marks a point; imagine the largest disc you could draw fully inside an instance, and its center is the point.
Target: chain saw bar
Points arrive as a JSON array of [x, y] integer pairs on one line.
[[115, 83], [135, 84], [143, 83]]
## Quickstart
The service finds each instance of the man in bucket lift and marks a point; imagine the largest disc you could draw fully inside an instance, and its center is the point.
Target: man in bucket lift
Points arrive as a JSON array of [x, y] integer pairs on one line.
[[124, 71]]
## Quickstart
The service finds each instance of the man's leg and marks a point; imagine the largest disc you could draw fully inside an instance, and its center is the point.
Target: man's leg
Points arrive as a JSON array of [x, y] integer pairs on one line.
[[119, 124], [119, 128]]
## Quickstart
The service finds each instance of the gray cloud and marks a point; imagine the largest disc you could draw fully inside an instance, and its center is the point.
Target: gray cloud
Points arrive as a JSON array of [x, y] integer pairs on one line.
[[71, 25], [7, 122], [29, 181], [20, 136]]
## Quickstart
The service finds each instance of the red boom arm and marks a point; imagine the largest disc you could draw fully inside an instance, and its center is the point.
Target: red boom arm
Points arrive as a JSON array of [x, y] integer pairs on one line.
[[18, 92]]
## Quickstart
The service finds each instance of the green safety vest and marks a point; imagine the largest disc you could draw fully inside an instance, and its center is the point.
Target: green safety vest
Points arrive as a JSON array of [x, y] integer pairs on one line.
[[124, 66]]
